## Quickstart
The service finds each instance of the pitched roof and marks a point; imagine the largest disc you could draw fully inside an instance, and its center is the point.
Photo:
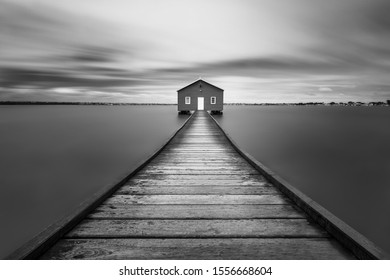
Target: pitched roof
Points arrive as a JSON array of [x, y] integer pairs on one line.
[[199, 80]]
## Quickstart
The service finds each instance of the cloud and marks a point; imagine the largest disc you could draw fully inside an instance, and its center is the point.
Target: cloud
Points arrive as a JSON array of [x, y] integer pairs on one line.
[[94, 54], [324, 89], [16, 77]]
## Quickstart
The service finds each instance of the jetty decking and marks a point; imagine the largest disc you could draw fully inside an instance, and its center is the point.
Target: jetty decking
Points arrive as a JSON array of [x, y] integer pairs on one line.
[[198, 199]]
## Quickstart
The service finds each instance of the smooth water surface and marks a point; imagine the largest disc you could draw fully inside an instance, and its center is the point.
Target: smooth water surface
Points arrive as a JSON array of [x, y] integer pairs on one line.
[[53, 157], [338, 156]]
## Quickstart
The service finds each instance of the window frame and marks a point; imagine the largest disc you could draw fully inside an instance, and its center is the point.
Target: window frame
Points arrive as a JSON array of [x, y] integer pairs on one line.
[[211, 100], [189, 100]]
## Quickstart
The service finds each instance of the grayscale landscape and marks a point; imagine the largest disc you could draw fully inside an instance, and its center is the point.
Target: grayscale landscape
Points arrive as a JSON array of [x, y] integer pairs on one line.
[[90, 93]]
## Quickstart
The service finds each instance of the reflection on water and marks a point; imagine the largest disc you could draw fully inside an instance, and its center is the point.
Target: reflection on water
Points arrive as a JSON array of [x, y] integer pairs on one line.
[[339, 156], [53, 157]]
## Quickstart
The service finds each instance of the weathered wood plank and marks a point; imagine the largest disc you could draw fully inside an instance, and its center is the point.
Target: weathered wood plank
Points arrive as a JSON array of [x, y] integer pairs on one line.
[[197, 199], [211, 147], [198, 142], [197, 136], [202, 153], [189, 171], [193, 183], [194, 161], [215, 177], [218, 167], [192, 136], [199, 159], [205, 146], [122, 211], [270, 228], [198, 165], [205, 152], [248, 248], [204, 190], [198, 155]]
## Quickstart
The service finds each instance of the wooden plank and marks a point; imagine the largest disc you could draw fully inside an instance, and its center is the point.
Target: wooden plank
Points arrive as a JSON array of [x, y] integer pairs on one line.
[[125, 211], [197, 199], [202, 153], [197, 136], [270, 228], [204, 144], [198, 163], [189, 136], [203, 141], [223, 249], [198, 140], [200, 157], [214, 145], [199, 150], [215, 177], [227, 153], [204, 190], [202, 172], [161, 161], [196, 159], [200, 167], [192, 183]]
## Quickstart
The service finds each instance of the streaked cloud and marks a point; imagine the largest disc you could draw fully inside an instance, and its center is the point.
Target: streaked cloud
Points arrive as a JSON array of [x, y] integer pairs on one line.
[[143, 51]]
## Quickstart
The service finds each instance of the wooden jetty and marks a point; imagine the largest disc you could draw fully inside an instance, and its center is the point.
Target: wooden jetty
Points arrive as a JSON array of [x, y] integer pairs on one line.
[[200, 197]]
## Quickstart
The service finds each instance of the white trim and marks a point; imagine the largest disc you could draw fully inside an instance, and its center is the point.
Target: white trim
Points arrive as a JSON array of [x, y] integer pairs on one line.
[[211, 100], [187, 100]]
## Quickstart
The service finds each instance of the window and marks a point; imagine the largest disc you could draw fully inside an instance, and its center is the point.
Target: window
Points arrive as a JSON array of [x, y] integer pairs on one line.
[[213, 100], [188, 100]]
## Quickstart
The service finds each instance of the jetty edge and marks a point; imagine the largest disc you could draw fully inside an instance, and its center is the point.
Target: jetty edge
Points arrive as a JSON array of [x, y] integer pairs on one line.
[[41, 242], [357, 243]]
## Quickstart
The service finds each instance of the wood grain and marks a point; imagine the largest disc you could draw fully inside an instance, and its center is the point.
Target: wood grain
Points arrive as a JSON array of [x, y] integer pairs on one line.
[[270, 228], [199, 190], [198, 199], [192, 249], [124, 211]]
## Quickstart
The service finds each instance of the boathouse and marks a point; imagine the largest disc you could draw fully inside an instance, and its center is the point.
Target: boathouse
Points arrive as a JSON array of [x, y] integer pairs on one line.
[[200, 95]]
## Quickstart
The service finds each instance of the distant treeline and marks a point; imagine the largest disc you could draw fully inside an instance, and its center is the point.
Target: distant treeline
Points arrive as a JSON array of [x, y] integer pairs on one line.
[[350, 103]]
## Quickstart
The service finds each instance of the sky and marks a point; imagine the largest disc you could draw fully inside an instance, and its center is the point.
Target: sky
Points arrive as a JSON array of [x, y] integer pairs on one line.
[[145, 50]]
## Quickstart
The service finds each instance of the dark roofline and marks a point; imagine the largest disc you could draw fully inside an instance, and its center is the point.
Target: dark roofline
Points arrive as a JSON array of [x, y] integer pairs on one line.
[[199, 80]]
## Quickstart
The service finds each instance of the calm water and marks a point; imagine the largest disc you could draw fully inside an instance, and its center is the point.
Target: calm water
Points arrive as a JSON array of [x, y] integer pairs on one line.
[[53, 157], [339, 156]]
